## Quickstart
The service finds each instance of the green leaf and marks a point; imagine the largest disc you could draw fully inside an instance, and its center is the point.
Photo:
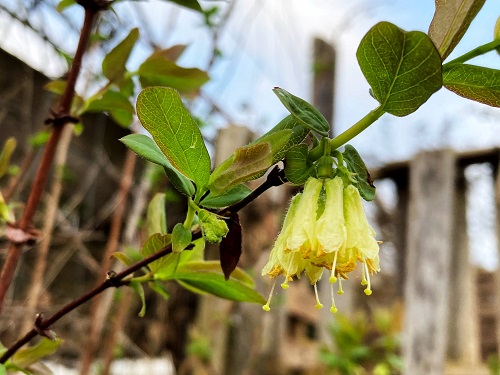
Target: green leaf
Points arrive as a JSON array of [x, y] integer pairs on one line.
[[232, 196], [174, 260], [139, 289], [181, 237], [6, 153], [299, 133], [154, 244], [304, 112], [28, 356], [450, 22], [191, 4], [162, 113], [124, 258], [113, 65], [474, 82], [171, 53], [159, 71], [209, 278], [357, 166], [158, 287], [3, 370], [116, 104], [144, 146], [297, 167], [56, 87], [248, 162], [156, 215], [63, 4], [39, 139], [402, 68]]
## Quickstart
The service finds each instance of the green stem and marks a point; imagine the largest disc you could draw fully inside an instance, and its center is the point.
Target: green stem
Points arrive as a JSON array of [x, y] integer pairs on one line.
[[190, 214], [478, 51], [357, 128], [143, 279]]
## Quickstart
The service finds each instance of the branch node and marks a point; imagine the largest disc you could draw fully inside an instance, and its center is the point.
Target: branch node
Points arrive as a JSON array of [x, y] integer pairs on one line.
[[112, 279], [60, 119], [41, 329], [20, 236], [95, 5], [277, 177]]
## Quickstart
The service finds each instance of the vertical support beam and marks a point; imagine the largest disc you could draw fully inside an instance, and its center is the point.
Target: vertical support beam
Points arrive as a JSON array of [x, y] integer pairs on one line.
[[324, 79], [496, 174], [401, 230], [463, 322], [430, 224], [215, 314]]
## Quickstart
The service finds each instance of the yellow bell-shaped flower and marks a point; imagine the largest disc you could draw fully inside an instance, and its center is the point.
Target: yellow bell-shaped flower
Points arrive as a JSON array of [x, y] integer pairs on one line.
[[334, 238]]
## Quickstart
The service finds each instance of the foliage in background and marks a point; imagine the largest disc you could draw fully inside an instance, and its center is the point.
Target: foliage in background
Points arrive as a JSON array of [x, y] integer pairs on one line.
[[364, 344]]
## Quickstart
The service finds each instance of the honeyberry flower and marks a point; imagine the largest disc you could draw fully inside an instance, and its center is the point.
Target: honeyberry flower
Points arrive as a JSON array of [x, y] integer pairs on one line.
[[324, 231]]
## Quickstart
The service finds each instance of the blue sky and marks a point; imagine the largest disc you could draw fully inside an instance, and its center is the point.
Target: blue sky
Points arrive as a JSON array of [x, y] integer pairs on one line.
[[267, 43]]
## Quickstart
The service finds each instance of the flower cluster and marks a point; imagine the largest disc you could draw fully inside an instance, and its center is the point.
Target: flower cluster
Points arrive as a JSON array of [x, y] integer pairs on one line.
[[325, 227]]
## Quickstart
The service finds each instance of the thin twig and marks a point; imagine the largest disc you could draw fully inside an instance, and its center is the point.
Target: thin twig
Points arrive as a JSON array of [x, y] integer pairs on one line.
[[61, 117], [274, 178]]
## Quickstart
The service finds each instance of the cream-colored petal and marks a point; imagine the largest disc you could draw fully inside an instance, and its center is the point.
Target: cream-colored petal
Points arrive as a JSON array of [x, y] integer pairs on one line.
[[302, 229], [330, 228], [360, 235]]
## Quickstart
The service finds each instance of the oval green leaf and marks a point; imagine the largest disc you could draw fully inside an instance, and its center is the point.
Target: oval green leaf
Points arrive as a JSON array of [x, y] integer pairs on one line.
[[209, 278], [297, 167], [154, 244], [475, 83], [248, 162], [232, 196], [163, 115], [304, 112], [450, 22], [113, 65], [357, 166], [145, 147], [402, 68], [156, 218], [159, 71], [181, 237]]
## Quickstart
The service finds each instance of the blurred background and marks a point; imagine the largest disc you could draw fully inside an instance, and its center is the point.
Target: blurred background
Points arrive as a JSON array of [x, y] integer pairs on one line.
[[435, 304]]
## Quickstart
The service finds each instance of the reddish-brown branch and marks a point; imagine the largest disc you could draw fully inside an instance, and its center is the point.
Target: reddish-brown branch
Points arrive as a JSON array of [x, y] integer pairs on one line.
[[275, 178], [62, 112]]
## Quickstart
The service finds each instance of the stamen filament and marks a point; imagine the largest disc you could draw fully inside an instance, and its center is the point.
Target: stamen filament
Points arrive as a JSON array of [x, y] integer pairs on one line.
[[333, 278], [267, 307], [368, 290], [319, 305], [333, 308], [340, 291]]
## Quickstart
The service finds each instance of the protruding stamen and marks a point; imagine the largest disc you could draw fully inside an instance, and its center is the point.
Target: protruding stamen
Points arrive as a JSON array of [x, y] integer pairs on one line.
[[284, 284], [319, 305], [368, 290], [333, 308], [363, 278], [267, 307], [333, 278], [340, 291]]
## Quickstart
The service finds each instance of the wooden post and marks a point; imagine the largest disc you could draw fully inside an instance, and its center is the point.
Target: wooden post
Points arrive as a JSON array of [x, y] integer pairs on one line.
[[496, 173], [324, 79], [463, 322], [400, 232], [214, 315], [430, 225]]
